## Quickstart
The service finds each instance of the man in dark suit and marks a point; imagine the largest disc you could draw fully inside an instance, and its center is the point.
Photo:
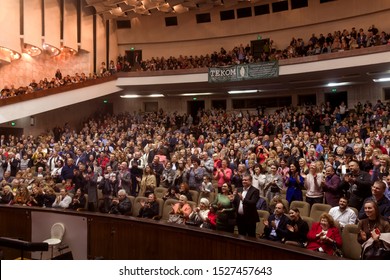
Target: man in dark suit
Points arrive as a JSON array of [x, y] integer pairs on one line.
[[245, 201], [276, 226]]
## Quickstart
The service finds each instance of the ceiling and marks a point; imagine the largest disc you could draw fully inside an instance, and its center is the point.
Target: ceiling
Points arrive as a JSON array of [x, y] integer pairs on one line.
[[121, 9]]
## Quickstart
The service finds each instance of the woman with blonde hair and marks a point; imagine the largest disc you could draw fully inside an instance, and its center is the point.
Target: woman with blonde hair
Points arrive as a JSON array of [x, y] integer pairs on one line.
[[7, 195], [148, 182], [312, 184]]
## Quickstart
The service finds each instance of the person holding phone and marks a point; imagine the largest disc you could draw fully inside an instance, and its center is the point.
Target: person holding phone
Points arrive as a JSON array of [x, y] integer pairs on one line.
[[373, 233], [373, 225]]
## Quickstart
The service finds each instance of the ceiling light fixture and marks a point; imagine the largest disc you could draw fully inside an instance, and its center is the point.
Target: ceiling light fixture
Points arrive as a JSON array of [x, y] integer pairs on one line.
[[243, 91], [337, 84], [196, 94], [140, 96], [382, 80]]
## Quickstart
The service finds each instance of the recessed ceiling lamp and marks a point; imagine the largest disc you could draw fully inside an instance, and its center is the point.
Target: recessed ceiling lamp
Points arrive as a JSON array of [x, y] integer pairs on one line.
[[337, 84], [196, 94], [382, 80], [243, 91], [140, 96]]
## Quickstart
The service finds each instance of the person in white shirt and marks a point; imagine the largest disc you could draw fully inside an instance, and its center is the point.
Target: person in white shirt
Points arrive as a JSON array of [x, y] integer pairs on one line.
[[342, 213], [63, 200]]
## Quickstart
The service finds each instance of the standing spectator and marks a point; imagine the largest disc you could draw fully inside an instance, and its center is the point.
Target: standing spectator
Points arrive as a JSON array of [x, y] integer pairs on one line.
[[330, 185], [312, 183], [245, 200], [357, 184], [222, 174]]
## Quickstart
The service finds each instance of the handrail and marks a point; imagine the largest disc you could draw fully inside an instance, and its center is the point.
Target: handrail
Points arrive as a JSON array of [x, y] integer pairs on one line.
[[161, 237]]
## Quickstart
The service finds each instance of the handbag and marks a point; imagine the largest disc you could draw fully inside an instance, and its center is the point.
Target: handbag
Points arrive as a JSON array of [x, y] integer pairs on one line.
[[337, 252], [375, 252], [176, 219]]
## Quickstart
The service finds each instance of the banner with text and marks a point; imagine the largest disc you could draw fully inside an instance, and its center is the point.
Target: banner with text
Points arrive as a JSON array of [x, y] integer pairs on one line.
[[241, 72]]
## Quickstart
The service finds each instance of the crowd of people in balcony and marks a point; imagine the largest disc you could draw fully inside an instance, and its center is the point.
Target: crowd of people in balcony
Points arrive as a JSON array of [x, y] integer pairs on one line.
[[315, 45], [246, 159]]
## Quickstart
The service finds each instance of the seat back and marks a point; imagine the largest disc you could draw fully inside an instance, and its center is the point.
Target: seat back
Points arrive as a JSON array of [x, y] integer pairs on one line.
[[167, 208], [286, 205], [263, 215], [195, 195], [137, 205], [355, 210], [131, 198], [85, 207], [161, 206], [303, 206], [57, 231], [351, 247], [308, 220], [160, 192], [210, 196], [317, 209]]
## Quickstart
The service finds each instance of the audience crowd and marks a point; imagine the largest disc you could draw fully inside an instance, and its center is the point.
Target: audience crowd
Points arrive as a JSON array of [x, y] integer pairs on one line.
[[235, 162], [315, 45]]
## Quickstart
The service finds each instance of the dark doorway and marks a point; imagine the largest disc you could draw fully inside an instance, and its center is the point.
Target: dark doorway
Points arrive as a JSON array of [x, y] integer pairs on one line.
[[259, 47], [219, 104], [335, 98], [193, 107], [309, 99], [135, 58], [14, 131]]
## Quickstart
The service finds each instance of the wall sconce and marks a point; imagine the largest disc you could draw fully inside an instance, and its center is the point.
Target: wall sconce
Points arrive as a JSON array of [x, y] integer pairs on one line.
[[32, 121]]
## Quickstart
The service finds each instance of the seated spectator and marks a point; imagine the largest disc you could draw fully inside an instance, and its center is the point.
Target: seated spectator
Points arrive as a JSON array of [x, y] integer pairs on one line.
[[200, 213], [62, 200], [121, 204], [172, 193], [184, 189], [378, 195], [78, 200], [276, 226], [180, 211], [297, 229], [22, 196], [343, 214], [7, 196], [211, 221], [149, 208], [50, 197], [324, 236], [261, 204], [37, 198], [371, 231]]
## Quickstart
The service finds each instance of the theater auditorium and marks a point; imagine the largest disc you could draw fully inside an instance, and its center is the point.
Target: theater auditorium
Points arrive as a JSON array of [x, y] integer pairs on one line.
[[194, 129]]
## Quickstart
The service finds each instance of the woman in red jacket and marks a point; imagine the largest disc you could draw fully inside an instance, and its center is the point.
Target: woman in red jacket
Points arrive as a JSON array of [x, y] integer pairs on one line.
[[324, 236]]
